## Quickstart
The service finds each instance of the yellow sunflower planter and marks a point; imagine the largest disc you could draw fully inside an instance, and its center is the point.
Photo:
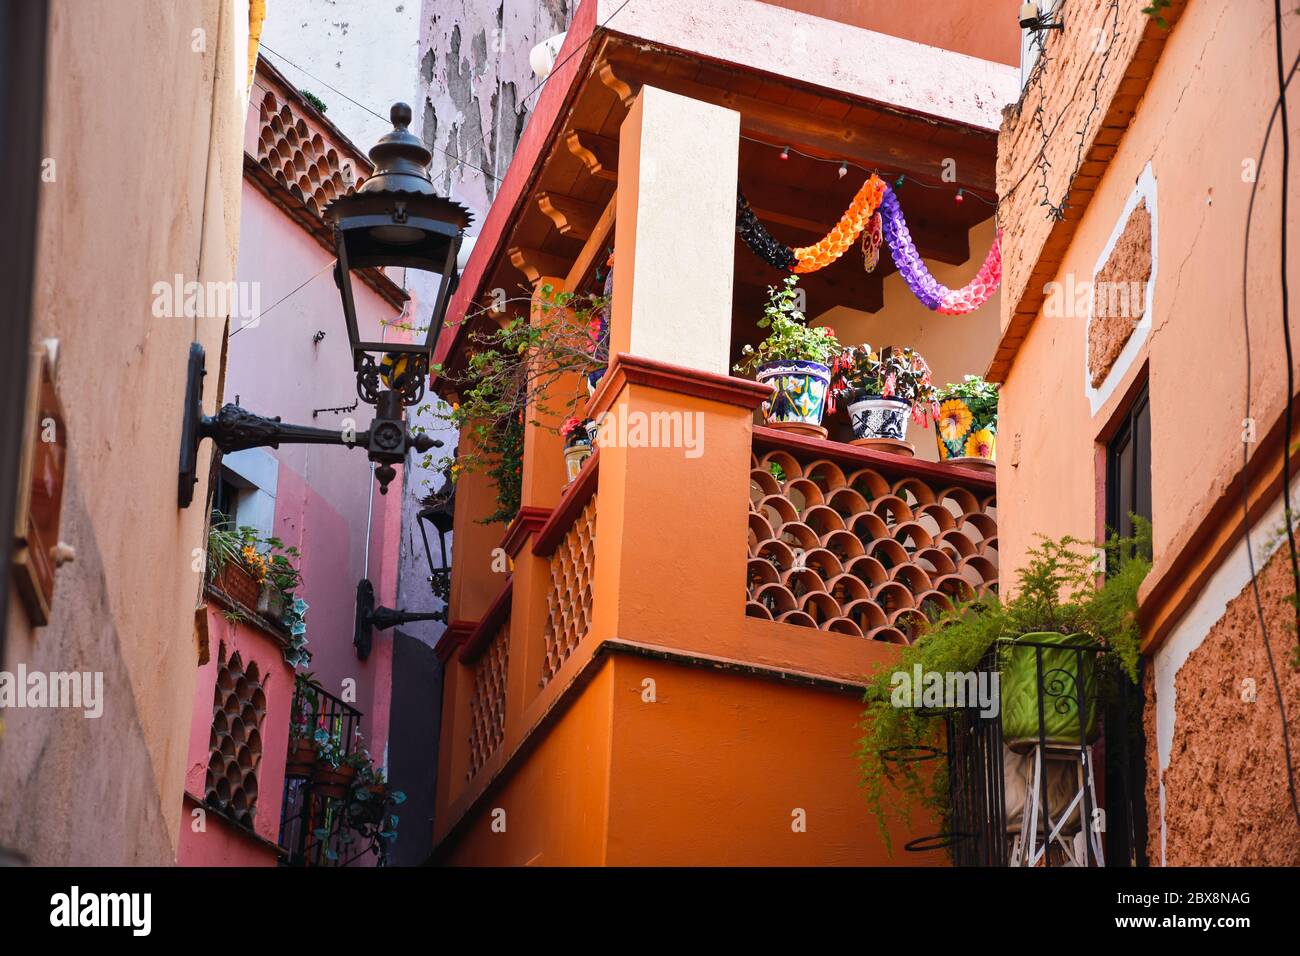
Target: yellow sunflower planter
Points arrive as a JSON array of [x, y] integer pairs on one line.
[[965, 436]]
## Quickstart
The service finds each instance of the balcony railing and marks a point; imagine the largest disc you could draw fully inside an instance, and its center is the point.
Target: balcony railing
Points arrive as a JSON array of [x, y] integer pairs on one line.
[[315, 830], [846, 540]]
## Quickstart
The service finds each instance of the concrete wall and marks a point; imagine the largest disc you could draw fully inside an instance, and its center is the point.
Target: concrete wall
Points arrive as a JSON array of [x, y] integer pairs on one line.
[[147, 185]]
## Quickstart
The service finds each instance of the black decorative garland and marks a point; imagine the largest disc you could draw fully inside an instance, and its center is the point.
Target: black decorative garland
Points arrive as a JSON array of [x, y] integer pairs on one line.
[[759, 240]]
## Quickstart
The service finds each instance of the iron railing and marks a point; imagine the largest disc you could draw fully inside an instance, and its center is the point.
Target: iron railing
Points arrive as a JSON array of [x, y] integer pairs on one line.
[[316, 829]]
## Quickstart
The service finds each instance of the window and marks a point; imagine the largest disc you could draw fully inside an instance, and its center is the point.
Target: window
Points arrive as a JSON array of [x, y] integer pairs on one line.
[[1128, 468], [1128, 492], [225, 500]]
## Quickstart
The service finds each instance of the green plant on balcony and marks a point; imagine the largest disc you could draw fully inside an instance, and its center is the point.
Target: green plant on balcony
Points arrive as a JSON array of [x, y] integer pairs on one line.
[[521, 373], [259, 572], [881, 389], [792, 359], [1057, 595]]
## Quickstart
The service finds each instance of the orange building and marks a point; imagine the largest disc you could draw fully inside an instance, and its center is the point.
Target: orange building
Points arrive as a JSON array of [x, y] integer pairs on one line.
[[637, 685]]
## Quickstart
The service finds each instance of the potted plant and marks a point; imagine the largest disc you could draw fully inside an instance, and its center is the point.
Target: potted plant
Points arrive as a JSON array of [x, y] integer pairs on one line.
[[335, 768], [967, 423], [793, 359], [1058, 595], [235, 566], [882, 391], [371, 795], [577, 435]]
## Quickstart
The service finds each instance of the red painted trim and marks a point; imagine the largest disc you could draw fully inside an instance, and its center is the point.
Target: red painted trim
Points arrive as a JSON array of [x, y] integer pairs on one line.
[[893, 466], [528, 522], [544, 125], [636, 370], [495, 616], [453, 637], [575, 498]]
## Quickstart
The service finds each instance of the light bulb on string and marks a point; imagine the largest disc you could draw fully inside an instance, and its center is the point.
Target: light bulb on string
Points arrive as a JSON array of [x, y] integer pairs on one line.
[[844, 170], [785, 153], [960, 197]]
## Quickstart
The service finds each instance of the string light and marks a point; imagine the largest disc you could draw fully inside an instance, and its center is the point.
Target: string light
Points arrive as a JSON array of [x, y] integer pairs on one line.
[[785, 153], [844, 170], [960, 197]]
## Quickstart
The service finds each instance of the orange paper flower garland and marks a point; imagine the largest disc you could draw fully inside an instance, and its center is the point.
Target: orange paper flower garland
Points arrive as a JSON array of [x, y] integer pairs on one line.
[[840, 239]]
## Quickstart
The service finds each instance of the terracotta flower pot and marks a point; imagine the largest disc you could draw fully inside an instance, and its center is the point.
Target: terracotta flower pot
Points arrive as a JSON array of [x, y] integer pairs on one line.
[[241, 586], [799, 391], [332, 782], [301, 760]]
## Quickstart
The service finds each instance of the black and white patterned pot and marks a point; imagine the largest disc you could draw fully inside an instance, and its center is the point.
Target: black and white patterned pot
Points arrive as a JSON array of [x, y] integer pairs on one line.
[[875, 417]]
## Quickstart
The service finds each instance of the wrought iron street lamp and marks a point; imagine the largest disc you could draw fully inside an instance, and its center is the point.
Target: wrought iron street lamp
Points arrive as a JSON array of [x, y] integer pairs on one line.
[[437, 511], [396, 219]]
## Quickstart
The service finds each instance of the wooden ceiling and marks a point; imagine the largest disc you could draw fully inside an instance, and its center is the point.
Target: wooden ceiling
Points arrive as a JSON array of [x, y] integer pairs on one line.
[[565, 218]]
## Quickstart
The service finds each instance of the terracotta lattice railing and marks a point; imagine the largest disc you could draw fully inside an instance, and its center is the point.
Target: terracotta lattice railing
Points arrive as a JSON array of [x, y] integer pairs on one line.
[[854, 546], [568, 599], [488, 705]]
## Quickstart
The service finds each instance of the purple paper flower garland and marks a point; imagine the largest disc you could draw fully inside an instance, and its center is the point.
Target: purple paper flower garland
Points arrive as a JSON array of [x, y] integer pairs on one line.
[[933, 294]]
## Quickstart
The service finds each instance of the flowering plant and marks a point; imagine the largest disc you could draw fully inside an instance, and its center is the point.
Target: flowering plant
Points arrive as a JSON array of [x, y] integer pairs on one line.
[[576, 431], [860, 371], [790, 338]]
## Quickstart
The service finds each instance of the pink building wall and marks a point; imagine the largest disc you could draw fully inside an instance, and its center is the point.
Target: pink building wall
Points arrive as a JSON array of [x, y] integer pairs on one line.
[[221, 842]]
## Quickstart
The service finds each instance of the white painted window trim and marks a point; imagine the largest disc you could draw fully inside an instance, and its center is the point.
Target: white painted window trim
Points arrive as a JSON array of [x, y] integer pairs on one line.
[[1145, 189]]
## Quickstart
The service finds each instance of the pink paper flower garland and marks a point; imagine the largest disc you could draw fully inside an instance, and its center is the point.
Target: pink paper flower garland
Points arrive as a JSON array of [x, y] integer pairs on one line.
[[932, 294]]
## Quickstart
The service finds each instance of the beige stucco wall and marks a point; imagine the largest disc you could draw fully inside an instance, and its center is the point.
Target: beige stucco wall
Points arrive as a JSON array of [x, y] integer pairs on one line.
[[146, 135], [1201, 120]]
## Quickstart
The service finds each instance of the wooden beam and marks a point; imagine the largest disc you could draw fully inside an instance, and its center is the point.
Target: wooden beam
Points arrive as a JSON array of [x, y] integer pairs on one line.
[[572, 217], [598, 153], [620, 87], [535, 264], [833, 139], [593, 252]]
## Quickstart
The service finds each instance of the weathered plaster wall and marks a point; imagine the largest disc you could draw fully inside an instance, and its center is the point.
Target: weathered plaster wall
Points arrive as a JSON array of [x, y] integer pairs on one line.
[[1217, 786], [146, 186], [366, 51], [474, 86]]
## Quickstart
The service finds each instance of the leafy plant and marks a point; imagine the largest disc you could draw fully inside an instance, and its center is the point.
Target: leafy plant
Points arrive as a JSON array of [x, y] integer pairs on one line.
[[980, 396], [1056, 590], [519, 370], [790, 338], [859, 371], [314, 100], [1154, 9]]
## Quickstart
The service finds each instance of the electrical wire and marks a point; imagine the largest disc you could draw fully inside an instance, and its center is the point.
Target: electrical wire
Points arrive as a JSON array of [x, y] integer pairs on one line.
[[1245, 455], [1286, 311], [282, 298]]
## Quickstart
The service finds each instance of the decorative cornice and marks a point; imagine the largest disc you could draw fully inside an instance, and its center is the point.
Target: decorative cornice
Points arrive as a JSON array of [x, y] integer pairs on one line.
[[528, 522], [453, 637], [635, 370], [574, 499], [496, 615]]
